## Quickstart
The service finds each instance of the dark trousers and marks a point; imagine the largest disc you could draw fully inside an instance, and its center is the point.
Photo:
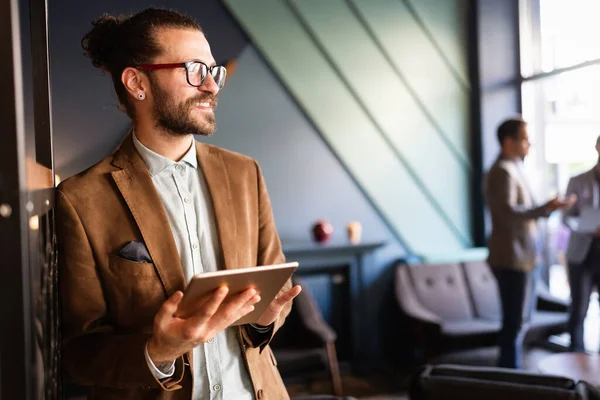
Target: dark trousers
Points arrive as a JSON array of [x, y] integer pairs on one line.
[[582, 279], [517, 298]]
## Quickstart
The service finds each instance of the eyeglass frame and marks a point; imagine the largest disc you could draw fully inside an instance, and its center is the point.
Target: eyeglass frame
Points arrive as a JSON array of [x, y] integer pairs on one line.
[[155, 67]]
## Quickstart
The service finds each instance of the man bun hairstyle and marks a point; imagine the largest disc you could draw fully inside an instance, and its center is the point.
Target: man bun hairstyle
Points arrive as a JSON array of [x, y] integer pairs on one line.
[[115, 43]]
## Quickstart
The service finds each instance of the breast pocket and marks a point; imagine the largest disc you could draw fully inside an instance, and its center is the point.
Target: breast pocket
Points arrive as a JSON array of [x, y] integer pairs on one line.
[[135, 291], [124, 267]]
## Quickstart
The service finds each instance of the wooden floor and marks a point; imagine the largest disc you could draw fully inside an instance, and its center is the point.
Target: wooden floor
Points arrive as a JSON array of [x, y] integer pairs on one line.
[[371, 388], [394, 386]]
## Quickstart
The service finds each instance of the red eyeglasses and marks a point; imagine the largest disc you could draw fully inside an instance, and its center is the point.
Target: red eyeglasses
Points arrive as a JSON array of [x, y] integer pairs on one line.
[[196, 72]]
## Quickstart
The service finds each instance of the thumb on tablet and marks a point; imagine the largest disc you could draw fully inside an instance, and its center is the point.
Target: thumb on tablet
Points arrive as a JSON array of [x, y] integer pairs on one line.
[[171, 304], [176, 297]]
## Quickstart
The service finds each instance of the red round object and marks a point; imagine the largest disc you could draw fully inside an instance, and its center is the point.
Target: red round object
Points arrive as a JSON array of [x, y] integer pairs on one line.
[[322, 231]]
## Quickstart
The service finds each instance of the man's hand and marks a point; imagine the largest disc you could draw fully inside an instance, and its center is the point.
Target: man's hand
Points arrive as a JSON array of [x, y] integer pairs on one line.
[[276, 306], [597, 233], [558, 204], [174, 336]]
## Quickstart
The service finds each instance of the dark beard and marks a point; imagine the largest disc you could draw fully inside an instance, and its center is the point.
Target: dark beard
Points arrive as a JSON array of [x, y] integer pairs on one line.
[[175, 119]]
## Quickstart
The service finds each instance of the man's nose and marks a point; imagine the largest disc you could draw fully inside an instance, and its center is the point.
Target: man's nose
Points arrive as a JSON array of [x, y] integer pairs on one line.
[[209, 85]]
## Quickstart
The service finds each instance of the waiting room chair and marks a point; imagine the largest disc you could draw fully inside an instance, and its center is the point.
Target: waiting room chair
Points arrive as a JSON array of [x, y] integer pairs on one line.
[[457, 306], [306, 342]]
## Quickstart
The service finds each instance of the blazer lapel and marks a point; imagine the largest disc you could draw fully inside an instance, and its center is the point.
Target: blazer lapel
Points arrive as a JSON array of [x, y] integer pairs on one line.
[[517, 172], [219, 185], [587, 190], [135, 184]]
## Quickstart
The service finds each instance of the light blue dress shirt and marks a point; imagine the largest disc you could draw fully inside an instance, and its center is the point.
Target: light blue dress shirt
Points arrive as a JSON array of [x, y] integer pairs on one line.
[[219, 368]]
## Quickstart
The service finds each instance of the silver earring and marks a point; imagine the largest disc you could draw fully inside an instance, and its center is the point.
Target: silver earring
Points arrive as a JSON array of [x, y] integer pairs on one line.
[[141, 96]]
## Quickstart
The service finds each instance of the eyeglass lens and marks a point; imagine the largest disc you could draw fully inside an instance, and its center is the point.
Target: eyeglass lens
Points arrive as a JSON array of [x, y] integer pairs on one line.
[[198, 71]]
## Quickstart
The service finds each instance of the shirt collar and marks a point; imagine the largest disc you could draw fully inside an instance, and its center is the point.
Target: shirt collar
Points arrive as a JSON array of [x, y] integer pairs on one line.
[[157, 163]]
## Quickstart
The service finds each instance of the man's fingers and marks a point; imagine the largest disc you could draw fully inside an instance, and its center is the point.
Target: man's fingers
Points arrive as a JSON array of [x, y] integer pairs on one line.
[[247, 309], [236, 307], [242, 298], [215, 301], [277, 306], [170, 305], [289, 295], [253, 300], [207, 309], [175, 299]]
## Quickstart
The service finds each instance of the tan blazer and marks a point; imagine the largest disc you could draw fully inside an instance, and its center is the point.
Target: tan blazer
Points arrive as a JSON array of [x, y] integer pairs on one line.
[[108, 303], [585, 186], [512, 243]]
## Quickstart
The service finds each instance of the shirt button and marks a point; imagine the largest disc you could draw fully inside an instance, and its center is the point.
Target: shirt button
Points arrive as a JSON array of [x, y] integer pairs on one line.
[[187, 200], [217, 387], [211, 340], [195, 246]]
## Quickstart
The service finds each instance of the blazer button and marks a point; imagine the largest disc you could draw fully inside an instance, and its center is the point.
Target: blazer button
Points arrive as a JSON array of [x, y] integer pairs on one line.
[[259, 394]]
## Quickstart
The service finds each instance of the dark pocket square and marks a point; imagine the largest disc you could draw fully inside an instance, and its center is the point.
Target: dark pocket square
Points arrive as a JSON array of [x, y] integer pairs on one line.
[[135, 251]]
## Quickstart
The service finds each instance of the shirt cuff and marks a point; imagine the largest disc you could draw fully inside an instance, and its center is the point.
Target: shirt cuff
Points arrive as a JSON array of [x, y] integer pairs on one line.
[[261, 329], [166, 371]]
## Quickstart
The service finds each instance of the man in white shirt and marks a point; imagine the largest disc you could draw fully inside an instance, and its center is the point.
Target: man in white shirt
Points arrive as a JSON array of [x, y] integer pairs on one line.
[[583, 252], [134, 228]]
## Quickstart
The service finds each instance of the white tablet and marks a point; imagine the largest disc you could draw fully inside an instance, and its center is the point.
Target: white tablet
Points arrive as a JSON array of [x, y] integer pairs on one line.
[[267, 280]]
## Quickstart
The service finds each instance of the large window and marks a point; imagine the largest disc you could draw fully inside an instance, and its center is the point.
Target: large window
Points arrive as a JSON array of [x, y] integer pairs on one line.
[[564, 33], [564, 115], [560, 66]]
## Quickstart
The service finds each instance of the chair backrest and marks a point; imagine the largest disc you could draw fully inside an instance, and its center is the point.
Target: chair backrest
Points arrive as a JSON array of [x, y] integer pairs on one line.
[[470, 383], [309, 313], [304, 326], [407, 297], [442, 289], [484, 290]]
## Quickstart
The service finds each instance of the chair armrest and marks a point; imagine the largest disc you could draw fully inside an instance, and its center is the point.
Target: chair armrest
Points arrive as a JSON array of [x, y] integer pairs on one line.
[[311, 318], [321, 331]]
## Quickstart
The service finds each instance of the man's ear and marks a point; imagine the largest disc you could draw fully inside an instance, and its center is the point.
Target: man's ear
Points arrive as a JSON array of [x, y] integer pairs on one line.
[[134, 81]]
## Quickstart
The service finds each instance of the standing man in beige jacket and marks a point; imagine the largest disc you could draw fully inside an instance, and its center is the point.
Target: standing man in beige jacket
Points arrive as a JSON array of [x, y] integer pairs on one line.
[[136, 227], [512, 244]]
